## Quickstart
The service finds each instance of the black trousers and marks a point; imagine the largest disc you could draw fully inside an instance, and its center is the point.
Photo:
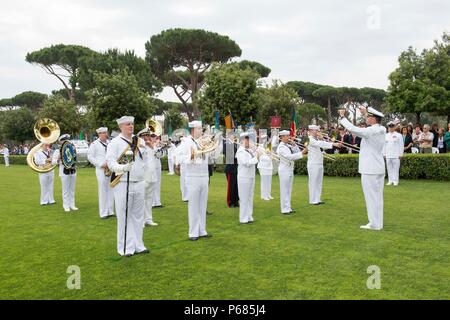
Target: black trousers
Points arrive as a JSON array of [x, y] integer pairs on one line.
[[232, 190]]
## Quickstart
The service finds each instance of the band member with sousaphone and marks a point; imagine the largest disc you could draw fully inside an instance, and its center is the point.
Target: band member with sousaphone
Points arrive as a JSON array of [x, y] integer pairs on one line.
[[66, 158], [97, 156], [126, 157]]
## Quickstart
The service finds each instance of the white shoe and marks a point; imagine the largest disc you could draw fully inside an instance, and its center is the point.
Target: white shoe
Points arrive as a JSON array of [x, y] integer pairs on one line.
[[389, 183], [152, 224], [265, 199], [66, 209], [270, 197], [395, 184], [369, 227], [74, 208]]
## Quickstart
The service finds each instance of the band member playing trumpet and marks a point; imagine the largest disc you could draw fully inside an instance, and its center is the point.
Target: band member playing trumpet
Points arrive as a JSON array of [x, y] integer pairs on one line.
[[371, 163], [197, 176], [265, 167], [126, 157], [315, 163], [46, 179], [159, 153], [247, 159], [150, 175], [288, 152], [97, 156], [68, 178]]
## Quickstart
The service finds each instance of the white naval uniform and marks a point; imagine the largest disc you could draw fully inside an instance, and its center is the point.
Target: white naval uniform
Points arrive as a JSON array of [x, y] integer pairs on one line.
[[46, 180], [6, 156], [135, 222], [393, 150], [196, 181], [183, 188], [157, 189], [247, 161], [371, 168], [171, 158], [68, 182], [265, 167], [150, 178], [315, 168], [97, 156], [286, 173]]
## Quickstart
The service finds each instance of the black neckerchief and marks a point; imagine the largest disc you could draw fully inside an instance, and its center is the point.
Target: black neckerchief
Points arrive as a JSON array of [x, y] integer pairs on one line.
[[290, 149], [133, 146], [105, 145], [249, 152], [195, 142], [46, 154]]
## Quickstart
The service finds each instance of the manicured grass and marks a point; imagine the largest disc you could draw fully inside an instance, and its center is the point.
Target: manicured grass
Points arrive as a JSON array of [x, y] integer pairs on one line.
[[318, 253]]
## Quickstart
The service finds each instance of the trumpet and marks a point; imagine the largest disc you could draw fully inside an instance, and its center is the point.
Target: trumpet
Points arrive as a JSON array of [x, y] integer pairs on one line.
[[345, 144], [325, 155]]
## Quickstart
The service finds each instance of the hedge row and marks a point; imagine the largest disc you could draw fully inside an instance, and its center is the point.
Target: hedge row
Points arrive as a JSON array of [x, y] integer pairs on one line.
[[413, 166]]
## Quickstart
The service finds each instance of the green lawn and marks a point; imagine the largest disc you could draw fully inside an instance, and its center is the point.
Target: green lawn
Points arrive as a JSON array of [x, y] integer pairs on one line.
[[318, 253]]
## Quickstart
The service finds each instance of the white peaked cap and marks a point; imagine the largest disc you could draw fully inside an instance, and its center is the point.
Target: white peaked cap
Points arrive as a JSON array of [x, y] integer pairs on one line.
[[284, 133], [125, 119], [63, 137], [145, 131], [244, 134], [101, 130], [195, 124], [313, 127], [373, 112]]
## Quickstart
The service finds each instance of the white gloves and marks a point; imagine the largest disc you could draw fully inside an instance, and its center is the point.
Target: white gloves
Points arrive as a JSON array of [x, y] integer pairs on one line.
[[127, 167]]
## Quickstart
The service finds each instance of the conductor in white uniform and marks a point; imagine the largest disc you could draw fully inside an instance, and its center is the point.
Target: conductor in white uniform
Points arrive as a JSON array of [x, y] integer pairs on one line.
[[129, 192], [197, 177], [97, 156], [46, 179], [315, 163], [371, 163], [247, 160], [288, 153], [393, 152]]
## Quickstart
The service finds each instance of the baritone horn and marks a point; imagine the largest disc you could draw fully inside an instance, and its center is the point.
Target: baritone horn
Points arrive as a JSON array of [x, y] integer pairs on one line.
[[154, 127], [47, 132]]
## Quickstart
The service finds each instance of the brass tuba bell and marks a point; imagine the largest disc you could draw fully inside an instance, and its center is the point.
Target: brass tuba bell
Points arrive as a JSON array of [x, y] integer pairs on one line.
[[46, 131], [154, 126]]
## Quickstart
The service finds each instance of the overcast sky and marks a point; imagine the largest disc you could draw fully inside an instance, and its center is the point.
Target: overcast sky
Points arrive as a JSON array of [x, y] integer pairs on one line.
[[341, 43]]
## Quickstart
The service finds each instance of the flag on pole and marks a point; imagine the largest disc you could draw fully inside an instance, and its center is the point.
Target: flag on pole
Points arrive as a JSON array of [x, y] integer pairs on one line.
[[294, 124], [229, 122], [217, 120]]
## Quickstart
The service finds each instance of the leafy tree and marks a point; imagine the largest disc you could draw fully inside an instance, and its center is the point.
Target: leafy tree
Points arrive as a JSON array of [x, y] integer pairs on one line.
[[29, 99], [307, 112], [17, 125], [180, 58], [61, 61], [113, 60], [173, 118], [230, 89], [277, 100], [262, 70], [6, 103], [331, 94], [64, 112], [117, 95]]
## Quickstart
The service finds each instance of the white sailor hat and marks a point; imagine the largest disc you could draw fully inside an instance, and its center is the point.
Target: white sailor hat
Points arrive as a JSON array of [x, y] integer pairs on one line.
[[284, 133], [244, 135], [125, 119], [195, 124], [391, 124], [102, 130], [313, 127], [63, 137], [372, 112], [144, 132]]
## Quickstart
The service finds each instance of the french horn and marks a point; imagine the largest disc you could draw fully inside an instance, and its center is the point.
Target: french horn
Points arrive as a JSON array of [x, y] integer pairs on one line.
[[47, 132]]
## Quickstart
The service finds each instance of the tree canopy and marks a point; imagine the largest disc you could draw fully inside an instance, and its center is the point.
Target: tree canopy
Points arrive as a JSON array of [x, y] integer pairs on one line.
[[61, 61], [180, 58]]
